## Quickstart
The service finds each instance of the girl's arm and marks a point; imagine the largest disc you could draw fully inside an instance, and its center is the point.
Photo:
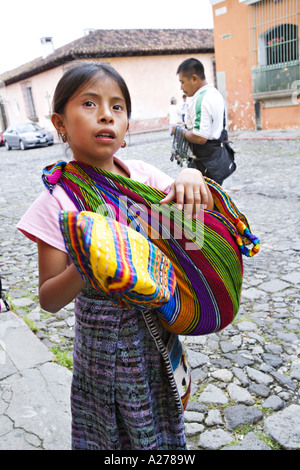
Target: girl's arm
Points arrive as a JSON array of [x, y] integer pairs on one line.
[[58, 284], [190, 191]]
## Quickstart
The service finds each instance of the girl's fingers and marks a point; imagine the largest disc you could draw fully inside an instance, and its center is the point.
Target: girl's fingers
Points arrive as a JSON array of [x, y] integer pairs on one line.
[[170, 197], [197, 203], [190, 197]]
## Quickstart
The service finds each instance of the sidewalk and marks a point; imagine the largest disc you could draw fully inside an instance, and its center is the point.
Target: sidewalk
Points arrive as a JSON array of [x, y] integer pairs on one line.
[[266, 135], [270, 134], [34, 391]]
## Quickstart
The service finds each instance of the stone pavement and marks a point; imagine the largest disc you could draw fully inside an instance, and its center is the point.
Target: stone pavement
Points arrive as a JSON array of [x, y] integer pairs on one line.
[[34, 391], [245, 391]]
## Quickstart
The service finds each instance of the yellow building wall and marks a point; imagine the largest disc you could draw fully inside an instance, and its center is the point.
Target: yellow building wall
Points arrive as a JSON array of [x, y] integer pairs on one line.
[[152, 81], [232, 57]]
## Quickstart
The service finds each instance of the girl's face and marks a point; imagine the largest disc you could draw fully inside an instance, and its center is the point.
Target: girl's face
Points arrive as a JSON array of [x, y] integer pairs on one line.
[[95, 122]]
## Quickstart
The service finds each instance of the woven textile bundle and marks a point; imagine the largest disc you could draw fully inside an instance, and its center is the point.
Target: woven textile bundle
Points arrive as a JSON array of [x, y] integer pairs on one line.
[[206, 253], [118, 260]]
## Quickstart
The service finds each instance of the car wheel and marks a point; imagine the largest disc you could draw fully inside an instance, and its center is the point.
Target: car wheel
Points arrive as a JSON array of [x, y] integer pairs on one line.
[[7, 146], [22, 145]]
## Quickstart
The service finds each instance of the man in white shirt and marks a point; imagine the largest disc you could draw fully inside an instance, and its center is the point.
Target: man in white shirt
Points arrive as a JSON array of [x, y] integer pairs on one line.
[[205, 114]]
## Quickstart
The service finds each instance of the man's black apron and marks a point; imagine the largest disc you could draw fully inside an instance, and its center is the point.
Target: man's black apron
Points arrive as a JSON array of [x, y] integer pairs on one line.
[[215, 158]]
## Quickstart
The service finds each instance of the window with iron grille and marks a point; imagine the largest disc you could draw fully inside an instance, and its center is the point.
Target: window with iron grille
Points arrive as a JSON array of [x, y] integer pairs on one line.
[[274, 44]]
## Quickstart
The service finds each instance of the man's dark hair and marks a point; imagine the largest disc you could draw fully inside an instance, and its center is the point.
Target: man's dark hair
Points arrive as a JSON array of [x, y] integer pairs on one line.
[[191, 67]]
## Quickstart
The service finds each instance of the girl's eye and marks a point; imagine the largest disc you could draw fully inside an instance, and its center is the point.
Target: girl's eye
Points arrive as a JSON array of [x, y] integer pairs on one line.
[[89, 104], [118, 107]]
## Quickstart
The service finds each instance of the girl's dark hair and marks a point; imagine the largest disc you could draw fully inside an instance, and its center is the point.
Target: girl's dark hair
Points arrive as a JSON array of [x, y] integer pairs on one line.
[[191, 67], [80, 74]]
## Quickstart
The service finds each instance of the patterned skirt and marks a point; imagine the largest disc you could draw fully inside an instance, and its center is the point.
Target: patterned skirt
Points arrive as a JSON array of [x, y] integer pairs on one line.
[[120, 391]]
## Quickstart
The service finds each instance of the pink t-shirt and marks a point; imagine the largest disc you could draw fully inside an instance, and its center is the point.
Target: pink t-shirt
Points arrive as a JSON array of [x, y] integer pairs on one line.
[[41, 219]]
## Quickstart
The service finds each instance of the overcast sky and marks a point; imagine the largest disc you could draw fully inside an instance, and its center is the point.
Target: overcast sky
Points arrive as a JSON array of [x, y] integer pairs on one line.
[[24, 22]]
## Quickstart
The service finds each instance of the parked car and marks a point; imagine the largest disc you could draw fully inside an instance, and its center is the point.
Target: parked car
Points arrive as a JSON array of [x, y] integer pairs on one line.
[[25, 135], [1, 139]]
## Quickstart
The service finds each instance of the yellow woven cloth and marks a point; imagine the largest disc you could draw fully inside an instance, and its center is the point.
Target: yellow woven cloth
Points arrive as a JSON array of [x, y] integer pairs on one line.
[[118, 260]]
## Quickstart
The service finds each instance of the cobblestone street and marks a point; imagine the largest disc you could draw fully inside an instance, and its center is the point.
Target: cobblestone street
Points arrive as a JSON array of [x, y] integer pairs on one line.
[[245, 392]]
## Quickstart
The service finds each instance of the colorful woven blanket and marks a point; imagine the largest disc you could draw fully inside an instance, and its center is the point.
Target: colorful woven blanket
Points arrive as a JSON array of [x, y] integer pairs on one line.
[[117, 260], [205, 253]]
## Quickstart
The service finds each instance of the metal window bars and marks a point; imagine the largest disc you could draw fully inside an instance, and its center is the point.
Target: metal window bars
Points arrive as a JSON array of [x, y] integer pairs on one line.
[[274, 32], [274, 28]]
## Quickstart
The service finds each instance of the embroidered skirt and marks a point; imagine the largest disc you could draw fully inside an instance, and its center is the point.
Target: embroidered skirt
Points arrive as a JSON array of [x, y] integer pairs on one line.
[[121, 395]]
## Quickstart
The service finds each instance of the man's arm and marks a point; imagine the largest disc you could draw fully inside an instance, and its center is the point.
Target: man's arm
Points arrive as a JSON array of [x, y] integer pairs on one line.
[[191, 137], [194, 139]]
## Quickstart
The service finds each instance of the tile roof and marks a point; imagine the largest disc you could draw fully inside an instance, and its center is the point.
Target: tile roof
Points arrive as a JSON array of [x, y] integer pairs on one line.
[[105, 43]]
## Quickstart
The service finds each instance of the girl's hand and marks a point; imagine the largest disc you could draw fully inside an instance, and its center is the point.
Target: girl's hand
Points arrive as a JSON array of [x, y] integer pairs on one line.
[[191, 192]]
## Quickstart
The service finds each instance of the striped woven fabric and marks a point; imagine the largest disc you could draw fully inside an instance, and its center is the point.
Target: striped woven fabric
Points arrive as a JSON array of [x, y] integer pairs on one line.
[[206, 253], [118, 260]]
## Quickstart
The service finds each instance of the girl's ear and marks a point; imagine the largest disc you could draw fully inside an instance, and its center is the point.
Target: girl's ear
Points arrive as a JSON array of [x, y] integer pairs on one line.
[[58, 122]]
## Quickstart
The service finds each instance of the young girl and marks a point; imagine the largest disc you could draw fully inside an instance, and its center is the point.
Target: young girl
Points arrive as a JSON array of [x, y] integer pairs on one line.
[[121, 394]]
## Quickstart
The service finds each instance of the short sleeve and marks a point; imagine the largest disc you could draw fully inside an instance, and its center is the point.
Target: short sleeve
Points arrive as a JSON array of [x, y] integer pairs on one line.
[[41, 220], [209, 110], [203, 122]]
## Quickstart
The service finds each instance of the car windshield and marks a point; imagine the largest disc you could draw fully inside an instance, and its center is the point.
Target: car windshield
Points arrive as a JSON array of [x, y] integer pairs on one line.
[[28, 127]]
